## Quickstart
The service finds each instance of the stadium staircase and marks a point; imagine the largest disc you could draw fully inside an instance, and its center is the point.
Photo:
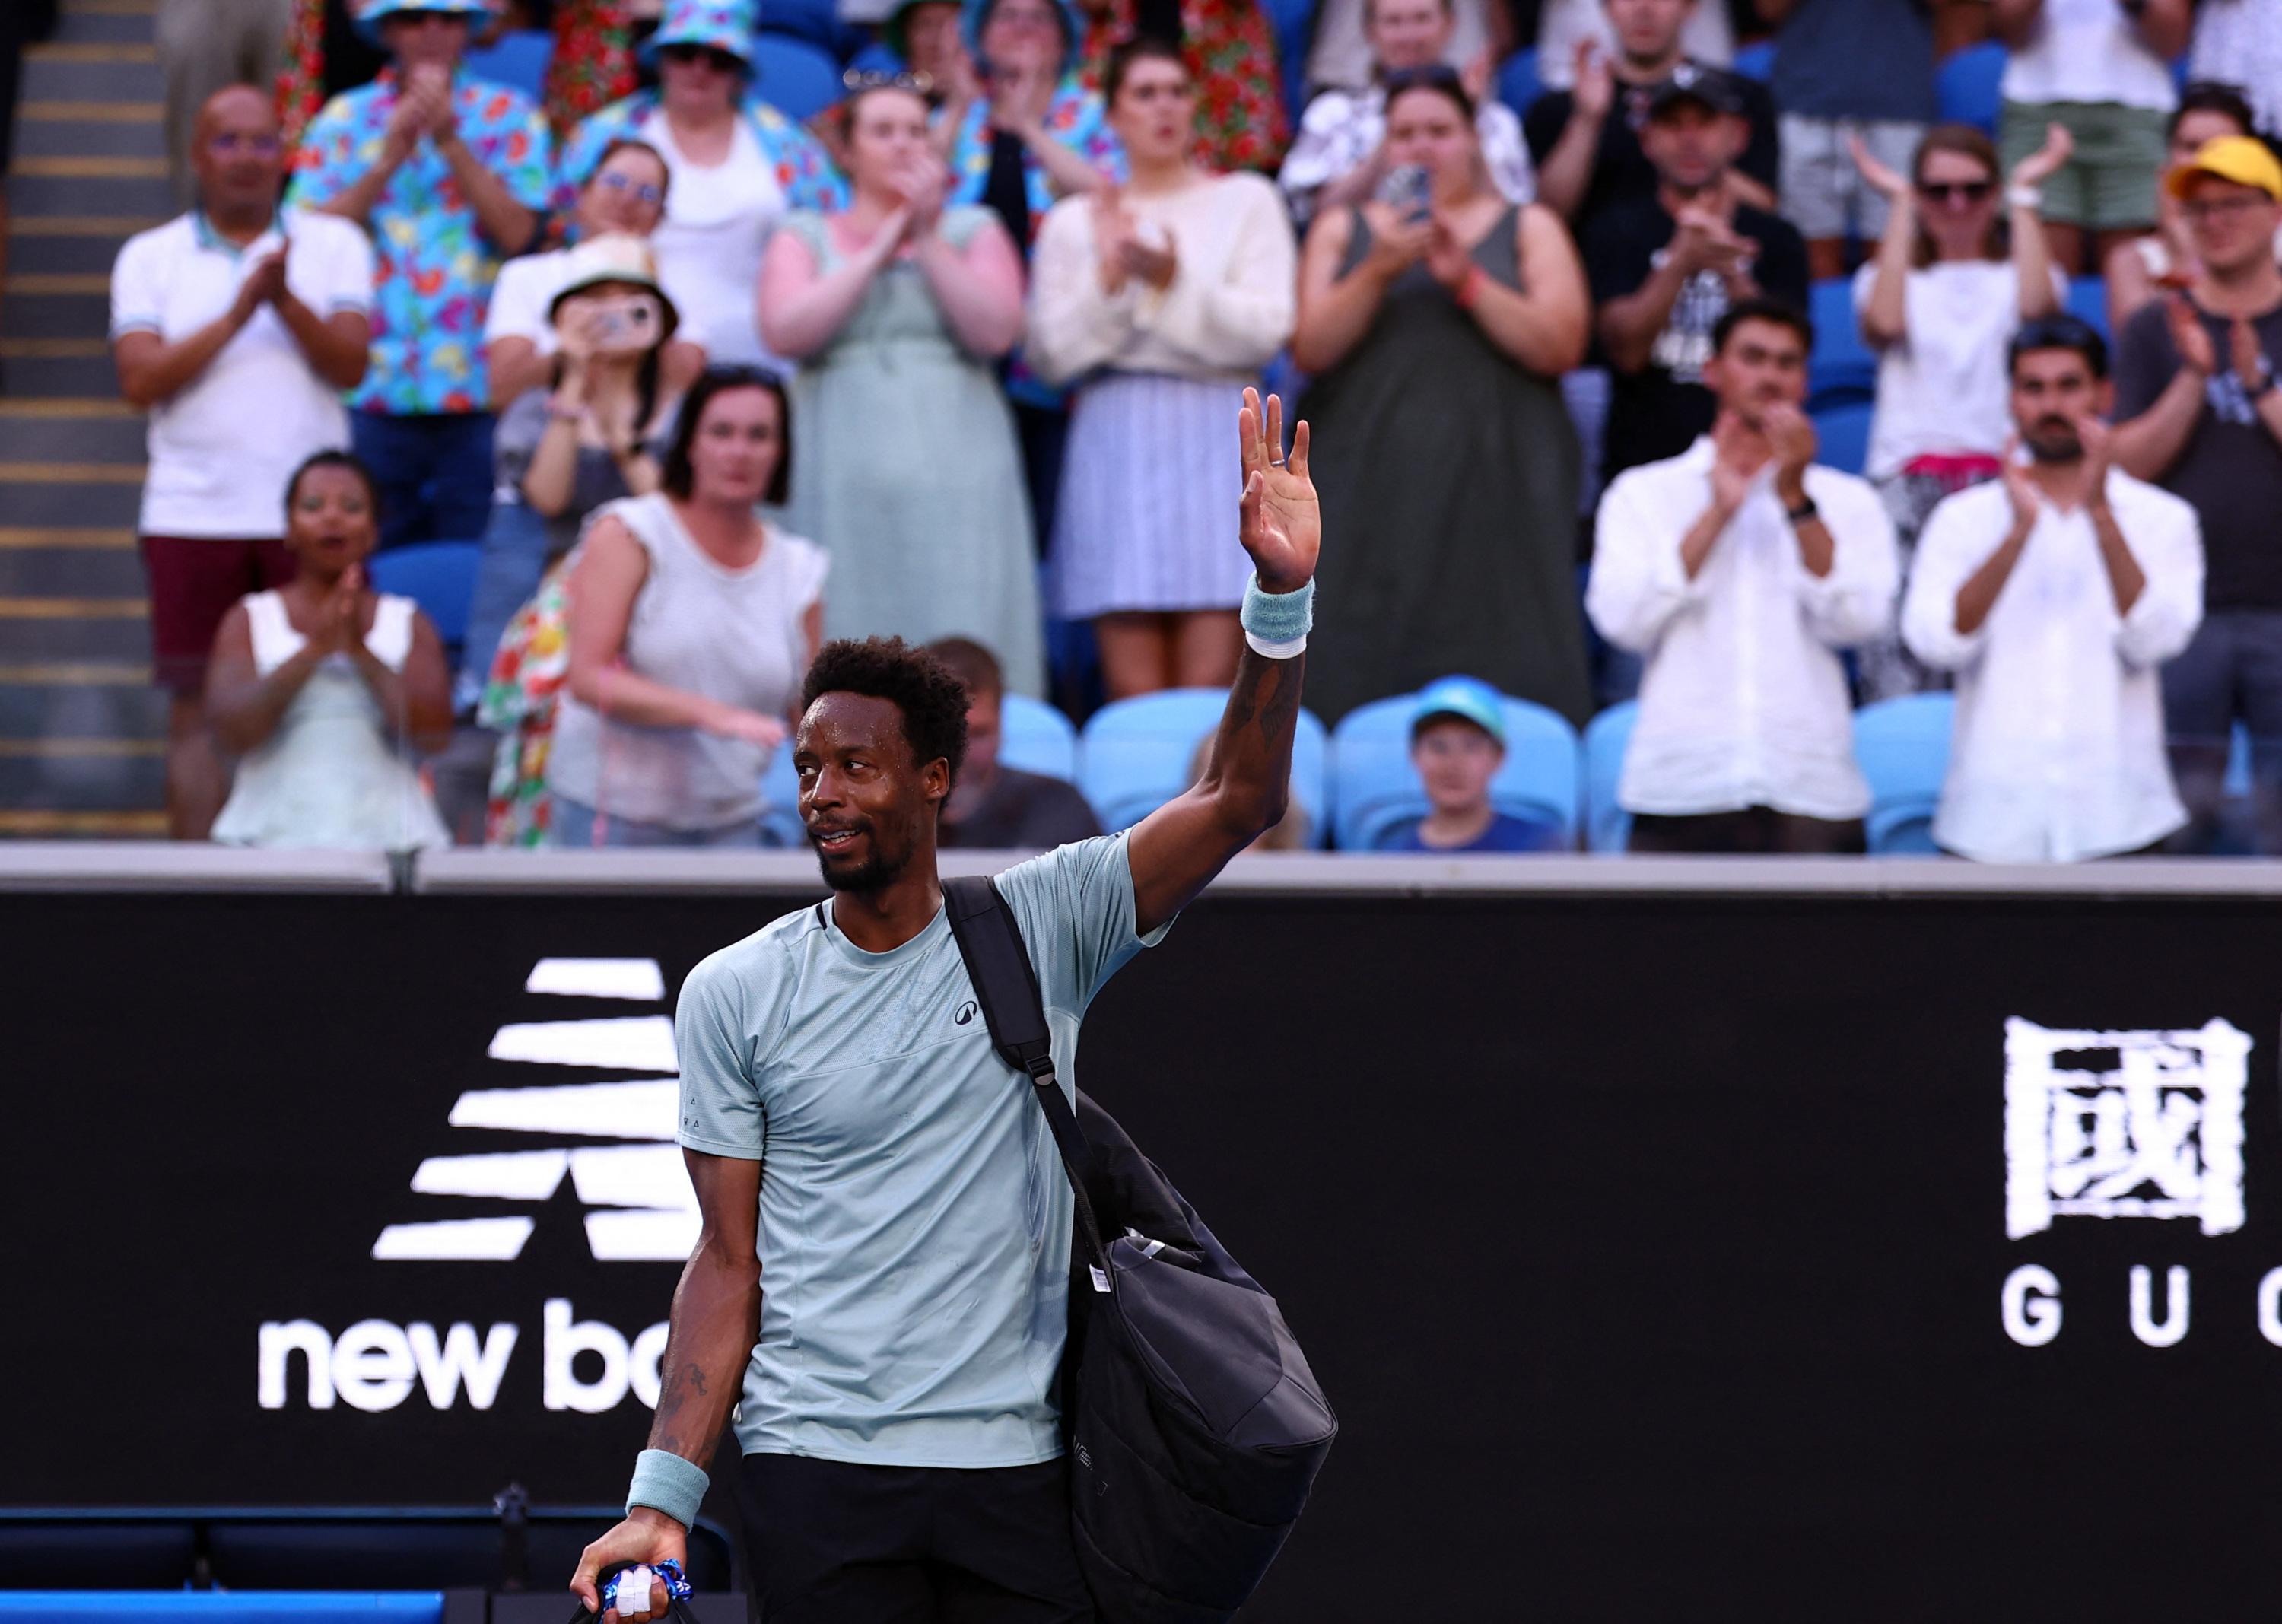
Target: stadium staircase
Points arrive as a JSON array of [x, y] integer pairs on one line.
[[81, 730]]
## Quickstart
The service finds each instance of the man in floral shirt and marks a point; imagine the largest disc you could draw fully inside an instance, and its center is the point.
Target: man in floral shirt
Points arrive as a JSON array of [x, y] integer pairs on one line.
[[449, 175]]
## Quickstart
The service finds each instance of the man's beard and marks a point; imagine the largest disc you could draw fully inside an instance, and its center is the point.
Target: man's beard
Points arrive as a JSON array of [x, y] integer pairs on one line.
[[2054, 444], [875, 872]]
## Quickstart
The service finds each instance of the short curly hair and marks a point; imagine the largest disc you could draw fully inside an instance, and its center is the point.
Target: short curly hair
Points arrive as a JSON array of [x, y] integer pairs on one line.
[[931, 699]]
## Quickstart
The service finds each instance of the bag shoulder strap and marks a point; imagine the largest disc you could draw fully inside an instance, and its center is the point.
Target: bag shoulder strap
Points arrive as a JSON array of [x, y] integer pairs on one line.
[[1006, 985]]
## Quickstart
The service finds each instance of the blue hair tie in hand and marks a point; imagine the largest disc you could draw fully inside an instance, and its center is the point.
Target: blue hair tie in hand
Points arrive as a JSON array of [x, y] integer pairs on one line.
[[628, 1590]]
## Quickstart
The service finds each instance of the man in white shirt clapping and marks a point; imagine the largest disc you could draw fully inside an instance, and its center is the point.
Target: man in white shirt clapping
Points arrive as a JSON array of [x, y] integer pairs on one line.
[[2055, 594], [1738, 569]]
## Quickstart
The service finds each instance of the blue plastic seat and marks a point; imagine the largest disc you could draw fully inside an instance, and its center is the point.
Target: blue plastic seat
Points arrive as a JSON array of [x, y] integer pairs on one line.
[[1965, 87], [798, 79], [1756, 61], [1135, 755], [1608, 827], [1843, 370], [1294, 25], [1034, 737], [1375, 794], [2087, 299], [816, 21], [1517, 83], [1845, 435], [518, 60], [439, 576], [1902, 747]]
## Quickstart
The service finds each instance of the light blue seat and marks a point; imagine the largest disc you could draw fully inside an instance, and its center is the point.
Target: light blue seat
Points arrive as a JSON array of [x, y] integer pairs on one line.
[[1965, 87], [1844, 433], [1517, 83], [1037, 738], [780, 823], [2087, 298], [796, 78], [518, 60], [1375, 794], [1608, 827], [1902, 747], [225, 1606], [439, 576], [1843, 370], [1135, 756]]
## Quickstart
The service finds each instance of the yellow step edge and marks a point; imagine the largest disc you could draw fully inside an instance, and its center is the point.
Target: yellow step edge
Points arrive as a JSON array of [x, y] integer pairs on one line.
[[35, 823], [80, 749], [77, 673], [81, 51], [20, 537], [74, 609], [66, 406], [58, 281], [72, 473], [94, 168], [121, 226], [53, 349], [93, 112]]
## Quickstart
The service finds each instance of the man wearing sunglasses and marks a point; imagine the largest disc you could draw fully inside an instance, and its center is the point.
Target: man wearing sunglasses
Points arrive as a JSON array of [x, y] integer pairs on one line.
[[2200, 414], [449, 174]]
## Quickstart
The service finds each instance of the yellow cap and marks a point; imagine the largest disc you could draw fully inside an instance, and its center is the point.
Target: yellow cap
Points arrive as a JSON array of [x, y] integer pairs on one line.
[[2244, 159]]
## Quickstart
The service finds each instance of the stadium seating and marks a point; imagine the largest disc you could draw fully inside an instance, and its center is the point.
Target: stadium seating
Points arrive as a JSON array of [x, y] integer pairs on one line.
[[2087, 297], [798, 79], [1375, 790], [1757, 61], [1966, 85], [439, 576], [815, 21], [517, 59], [1902, 747], [1294, 23], [1606, 737], [1517, 83], [1845, 434], [1135, 756], [1037, 738], [1843, 370]]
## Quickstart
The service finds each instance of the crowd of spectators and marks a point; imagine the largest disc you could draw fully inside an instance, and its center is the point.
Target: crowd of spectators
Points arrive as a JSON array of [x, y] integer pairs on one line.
[[1556, 361]]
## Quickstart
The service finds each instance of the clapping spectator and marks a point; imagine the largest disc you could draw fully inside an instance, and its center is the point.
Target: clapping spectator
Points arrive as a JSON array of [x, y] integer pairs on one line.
[[993, 805], [1666, 266], [1847, 72], [1163, 299], [1340, 156], [597, 436], [1586, 141], [1340, 53], [2056, 595], [2100, 68], [2199, 413], [906, 469], [736, 166], [1573, 31], [2143, 268], [449, 173], [1457, 744], [1230, 49], [1436, 332], [321, 685], [1739, 570], [692, 621], [625, 196], [233, 315], [1955, 275]]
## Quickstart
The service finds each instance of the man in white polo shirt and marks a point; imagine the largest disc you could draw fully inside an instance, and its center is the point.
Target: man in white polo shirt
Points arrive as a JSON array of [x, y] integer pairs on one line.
[[1738, 569], [235, 326]]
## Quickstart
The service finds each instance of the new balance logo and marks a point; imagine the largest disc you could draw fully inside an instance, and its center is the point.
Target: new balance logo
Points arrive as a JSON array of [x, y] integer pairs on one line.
[[645, 1210]]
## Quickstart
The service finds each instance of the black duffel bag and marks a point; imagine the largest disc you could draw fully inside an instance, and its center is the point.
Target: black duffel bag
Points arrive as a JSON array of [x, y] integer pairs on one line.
[[1195, 1428]]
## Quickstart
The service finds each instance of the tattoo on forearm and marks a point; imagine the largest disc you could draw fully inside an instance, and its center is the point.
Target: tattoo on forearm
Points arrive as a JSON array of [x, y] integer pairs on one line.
[[665, 1431]]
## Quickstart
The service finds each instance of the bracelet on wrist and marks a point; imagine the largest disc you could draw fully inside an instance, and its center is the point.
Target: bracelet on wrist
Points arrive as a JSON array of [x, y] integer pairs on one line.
[[2030, 198]]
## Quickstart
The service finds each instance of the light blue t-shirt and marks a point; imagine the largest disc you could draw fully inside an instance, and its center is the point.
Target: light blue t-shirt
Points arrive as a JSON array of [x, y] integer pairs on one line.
[[914, 1216]]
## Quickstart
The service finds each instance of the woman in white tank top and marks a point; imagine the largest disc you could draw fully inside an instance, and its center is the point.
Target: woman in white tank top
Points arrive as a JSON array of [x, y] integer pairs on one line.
[[692, 622], [325, 688]]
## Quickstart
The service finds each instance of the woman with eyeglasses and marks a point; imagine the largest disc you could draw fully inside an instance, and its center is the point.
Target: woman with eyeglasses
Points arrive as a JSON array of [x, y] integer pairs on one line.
[[1437, 320], [736, 166], [898, 309], [1161, 300], [1957, 270]]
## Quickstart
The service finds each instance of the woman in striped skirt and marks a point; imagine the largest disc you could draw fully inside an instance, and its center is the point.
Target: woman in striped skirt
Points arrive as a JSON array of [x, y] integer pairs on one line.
[[1163, 299]]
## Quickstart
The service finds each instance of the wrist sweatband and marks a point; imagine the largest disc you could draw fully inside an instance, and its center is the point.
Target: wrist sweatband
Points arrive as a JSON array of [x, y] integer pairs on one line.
[[1276, 624], [665, 1482], [2024, 197]]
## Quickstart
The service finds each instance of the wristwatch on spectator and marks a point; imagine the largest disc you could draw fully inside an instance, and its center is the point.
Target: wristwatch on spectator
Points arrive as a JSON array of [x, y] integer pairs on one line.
[[1806, 510]]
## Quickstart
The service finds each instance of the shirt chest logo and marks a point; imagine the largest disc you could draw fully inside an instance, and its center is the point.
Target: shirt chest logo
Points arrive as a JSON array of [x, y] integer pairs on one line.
[[965, 1014]]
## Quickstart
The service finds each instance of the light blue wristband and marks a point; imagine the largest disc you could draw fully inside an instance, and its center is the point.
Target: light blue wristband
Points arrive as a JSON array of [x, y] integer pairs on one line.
[[665, 1482], [1276, 623]]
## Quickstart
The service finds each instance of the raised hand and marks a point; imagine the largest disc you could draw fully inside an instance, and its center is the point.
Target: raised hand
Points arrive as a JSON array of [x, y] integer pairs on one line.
[[1447, 257], [2099, 443], [1280, 522], [1790, 435], [340, 614], [1477, 74], [1594, 90], [1888, 184], [2189, 336], [1156, 265], [1396, 244], [1737, 458], [264, 284], [2041, 165], [2020, 490]]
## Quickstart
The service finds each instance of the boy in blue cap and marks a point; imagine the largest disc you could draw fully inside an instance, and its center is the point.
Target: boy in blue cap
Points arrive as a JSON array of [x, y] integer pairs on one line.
[[1458, 743]]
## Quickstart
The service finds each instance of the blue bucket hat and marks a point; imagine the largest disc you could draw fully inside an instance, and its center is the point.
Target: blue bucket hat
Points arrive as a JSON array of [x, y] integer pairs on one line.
[[725, 25], [1468, 699], [369, 13]]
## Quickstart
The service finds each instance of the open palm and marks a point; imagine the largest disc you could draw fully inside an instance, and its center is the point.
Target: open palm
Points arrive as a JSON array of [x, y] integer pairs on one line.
[[1282, 525]]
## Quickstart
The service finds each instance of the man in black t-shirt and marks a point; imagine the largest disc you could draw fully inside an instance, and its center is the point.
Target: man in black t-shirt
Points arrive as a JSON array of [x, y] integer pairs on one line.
[[1665, 268], [1585, 143], [994, 806]]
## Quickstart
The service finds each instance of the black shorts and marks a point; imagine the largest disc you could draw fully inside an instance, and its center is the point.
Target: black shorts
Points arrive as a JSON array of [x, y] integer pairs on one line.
[[829, 1543]]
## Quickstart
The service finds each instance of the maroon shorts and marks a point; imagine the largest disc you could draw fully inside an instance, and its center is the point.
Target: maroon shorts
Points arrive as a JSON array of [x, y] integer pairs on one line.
[[194, 581]]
